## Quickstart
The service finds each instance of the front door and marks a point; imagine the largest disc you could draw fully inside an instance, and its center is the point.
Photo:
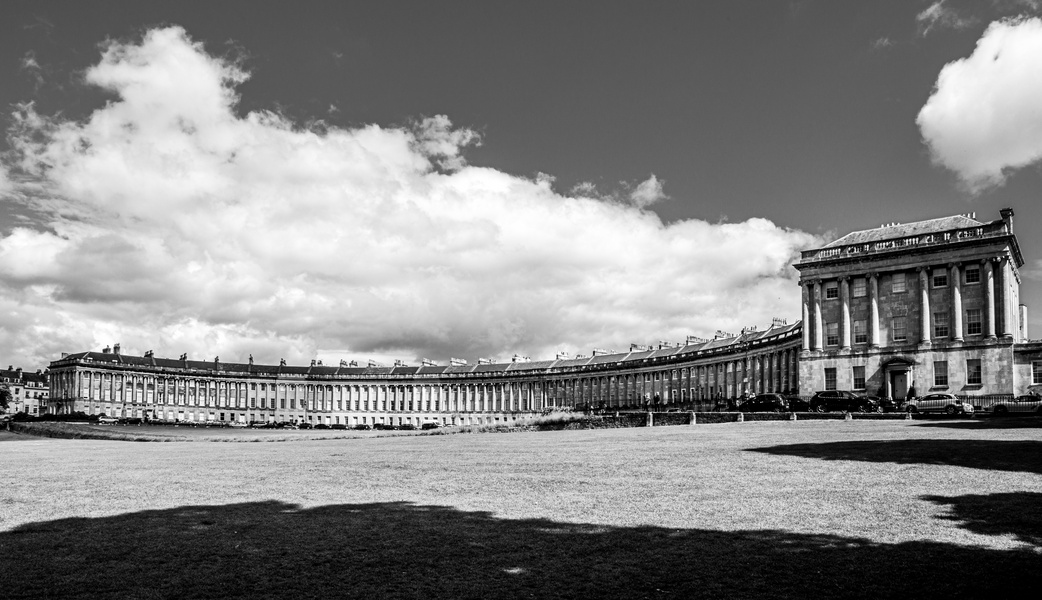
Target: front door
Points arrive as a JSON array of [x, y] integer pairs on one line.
[[899, 385]]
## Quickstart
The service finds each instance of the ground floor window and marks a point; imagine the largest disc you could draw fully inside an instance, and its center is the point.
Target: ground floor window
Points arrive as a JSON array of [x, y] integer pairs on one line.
[[973, 372], [859, 378], [1036, 372], [940, 374], [830, 378]]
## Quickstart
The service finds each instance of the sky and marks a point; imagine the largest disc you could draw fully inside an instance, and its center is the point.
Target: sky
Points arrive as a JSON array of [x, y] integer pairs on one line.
[[404, 180]]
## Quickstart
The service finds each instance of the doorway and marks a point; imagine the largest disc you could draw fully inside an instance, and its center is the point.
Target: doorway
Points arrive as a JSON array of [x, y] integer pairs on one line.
[[898, 384]]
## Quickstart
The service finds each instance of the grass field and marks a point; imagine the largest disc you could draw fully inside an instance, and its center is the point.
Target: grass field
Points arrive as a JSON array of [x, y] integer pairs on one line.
[[831, 509]]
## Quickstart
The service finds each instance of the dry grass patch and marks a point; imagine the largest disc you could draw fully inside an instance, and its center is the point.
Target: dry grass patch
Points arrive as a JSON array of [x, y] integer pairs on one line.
[[750, 510]]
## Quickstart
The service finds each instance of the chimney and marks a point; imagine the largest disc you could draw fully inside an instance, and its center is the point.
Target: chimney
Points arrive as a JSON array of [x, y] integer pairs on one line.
[[115, 348], [312, 362], [1007, 216], [106, 350]]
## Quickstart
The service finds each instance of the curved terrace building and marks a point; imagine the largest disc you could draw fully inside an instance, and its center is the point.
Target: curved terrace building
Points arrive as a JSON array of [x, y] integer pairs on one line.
[[933, 305], [698, 372]]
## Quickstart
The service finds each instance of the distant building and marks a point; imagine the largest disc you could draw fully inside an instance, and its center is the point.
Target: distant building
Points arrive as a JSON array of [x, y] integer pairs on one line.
[[933, 304], [29, 391]]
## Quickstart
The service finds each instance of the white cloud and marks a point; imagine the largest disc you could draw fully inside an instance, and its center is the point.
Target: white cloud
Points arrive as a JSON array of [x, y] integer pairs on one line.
[[984, 117], [177, 226], [647, 192], [940, 15]]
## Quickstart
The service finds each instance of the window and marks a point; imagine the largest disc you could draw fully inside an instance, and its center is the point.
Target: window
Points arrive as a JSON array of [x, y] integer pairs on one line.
[[897, 329], [859, 378], [972, 274], [973, 321], [897, 283], [861, 332], [940, 374], [831, 291], [940, 325], [830, 378], [859, 288], [973, 374], [831, 334], [1036, 372], [940, 278]]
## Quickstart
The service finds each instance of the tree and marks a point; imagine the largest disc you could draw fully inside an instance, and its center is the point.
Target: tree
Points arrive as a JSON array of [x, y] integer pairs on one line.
[[5, 396]]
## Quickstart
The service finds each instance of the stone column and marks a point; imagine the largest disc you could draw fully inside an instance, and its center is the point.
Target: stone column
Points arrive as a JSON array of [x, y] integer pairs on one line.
[[989, 299], [873, 309], [844, 295], [924, 305], [1003, 285], [818, 341], [956, 285], [806, 292]]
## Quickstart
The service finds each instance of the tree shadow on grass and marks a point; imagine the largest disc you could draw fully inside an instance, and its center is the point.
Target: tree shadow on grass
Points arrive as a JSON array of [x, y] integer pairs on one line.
[[1010, 422], [400, 550], [997, 455], [1018, 514]]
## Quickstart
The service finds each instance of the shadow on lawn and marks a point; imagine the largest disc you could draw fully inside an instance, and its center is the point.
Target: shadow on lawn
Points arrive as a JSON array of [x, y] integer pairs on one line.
[[400, 550], [1018, 514], [997, 455], [1011, 422]]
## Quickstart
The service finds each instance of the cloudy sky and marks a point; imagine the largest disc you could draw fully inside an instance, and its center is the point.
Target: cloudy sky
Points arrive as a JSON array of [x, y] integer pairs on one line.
[[398, 180]]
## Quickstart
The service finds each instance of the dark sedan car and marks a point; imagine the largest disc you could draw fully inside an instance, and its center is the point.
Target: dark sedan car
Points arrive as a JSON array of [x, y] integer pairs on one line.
[[765, 403], [842, 400]]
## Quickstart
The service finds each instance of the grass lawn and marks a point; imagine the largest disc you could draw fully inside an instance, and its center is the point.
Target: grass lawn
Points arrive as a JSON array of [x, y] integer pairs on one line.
[[832, 509]]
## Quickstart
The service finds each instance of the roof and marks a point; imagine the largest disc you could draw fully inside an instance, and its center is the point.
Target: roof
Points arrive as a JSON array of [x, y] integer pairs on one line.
[[623, 359], [890, 232]]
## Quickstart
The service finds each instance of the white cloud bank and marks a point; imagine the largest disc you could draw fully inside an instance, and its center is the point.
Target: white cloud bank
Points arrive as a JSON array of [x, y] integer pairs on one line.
[[175, 225], [984, 117]]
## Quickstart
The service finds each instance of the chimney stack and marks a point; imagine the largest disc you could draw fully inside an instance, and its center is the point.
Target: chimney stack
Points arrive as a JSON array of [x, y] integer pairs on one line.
[[1007, 216]]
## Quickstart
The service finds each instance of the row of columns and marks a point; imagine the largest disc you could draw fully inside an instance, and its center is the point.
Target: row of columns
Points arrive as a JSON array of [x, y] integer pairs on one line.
[[754, 374], [812, 306], [218, 393]]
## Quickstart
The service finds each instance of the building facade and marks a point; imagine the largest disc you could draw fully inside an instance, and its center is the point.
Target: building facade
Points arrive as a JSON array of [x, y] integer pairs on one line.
[[928, 306], [698, 373], [29, 391], [920, 307]]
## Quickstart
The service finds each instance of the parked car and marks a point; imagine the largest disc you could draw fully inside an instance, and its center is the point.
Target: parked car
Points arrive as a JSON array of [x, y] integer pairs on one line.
[[338, 426], [362, 427], [303, 425], [406, 427], [939, 402], [1020, 404], [765, 403], [888, 404], [797, 404], [431, 425], [107, 420], [236, 424], [321, 426], [842, 400]]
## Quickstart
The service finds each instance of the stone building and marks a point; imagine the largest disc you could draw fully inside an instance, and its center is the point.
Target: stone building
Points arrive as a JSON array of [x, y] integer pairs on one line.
[[933, 304], [29, 391], [697, 373]]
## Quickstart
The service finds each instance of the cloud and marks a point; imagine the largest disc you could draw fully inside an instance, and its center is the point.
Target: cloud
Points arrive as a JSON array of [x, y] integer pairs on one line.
[[176, 225], [984, 117], [882, 43], [940, 15], [647, 192]]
